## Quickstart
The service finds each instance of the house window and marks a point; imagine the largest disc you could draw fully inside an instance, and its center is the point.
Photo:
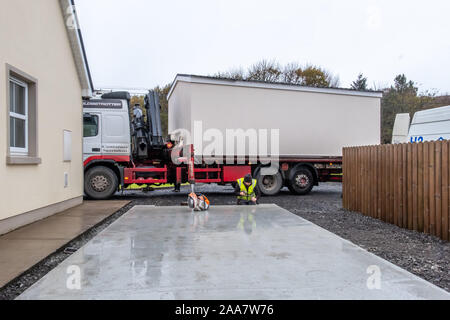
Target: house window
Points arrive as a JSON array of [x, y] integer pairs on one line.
[[21, 112], [18, 116]]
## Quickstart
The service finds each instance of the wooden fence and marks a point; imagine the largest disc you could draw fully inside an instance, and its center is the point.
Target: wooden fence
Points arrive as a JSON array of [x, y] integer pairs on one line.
[[403, 184]]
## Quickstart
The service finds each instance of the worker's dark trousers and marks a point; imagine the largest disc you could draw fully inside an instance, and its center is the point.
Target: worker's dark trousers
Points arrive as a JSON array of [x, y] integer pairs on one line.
[[241, 202]]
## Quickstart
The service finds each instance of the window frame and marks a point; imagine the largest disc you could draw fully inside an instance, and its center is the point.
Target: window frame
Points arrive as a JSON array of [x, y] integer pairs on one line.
[[32, 156], [13, 115]]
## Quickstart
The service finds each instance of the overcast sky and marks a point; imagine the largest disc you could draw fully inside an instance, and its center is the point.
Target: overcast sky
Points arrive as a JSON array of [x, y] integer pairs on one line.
[[142, 43]]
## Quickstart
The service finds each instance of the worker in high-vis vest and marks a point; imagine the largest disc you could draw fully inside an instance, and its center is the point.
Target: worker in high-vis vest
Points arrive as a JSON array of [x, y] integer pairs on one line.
[[247, 191]]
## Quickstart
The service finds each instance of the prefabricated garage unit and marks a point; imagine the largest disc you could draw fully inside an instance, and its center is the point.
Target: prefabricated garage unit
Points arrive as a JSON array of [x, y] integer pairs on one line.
[[313, 122]]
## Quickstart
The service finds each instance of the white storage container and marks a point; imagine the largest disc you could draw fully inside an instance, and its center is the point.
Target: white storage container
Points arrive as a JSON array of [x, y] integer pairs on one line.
[[312, 122], [430, 125]]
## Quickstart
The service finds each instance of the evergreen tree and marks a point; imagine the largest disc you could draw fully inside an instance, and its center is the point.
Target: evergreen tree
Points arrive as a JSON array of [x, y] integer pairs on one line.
[[360, 83]]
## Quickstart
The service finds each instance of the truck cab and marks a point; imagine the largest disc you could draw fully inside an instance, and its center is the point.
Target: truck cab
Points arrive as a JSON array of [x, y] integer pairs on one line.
[[106, 128], [118, 150]]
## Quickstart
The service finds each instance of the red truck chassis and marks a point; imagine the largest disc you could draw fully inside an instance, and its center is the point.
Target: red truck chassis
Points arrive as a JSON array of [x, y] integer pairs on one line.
[[156, 173]]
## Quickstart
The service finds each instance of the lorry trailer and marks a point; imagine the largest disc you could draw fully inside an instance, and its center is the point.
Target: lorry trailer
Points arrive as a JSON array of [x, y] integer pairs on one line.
[[123, 146]]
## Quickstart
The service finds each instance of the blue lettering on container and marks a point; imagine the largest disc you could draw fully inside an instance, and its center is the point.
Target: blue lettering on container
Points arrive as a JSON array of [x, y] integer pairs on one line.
[[416, 139]]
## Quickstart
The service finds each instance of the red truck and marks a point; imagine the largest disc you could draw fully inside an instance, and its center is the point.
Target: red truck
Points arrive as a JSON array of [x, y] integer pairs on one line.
[[119, 152]]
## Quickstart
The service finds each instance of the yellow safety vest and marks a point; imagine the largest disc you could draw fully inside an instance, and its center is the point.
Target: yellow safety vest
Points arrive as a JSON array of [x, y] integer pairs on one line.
[[249, 193]]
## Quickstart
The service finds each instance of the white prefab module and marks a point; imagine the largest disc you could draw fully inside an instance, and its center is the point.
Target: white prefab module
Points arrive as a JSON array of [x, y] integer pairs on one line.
[[312, 122], [430, 125], [427, 125], [401, 127]]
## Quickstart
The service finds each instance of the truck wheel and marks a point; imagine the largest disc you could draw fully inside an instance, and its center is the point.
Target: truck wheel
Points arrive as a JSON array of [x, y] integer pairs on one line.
[[100, 183], [301, 180], [269, 185]]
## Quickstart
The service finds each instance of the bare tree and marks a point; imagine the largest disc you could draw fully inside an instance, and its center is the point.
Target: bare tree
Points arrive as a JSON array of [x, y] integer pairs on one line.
[[268, 71], [272, 71], [233, 74], [332, 79], [292, 73]]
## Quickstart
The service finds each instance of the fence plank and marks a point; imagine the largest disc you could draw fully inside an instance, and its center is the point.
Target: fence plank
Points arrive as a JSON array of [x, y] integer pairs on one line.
[[350, 178], [431, 199], [386, 183], [382, 184], [399, 185], [368, 181], [396, 183], [448, 188], [363, 178], [426, 192], [438, 187], [444, 192], [346, 179], [405, 185], [410, 188], [375, 179], [420, 187], [357, 173], [391, 183], [351, 166], [363, 181], [355, 179], [379, 183], [414, 185]]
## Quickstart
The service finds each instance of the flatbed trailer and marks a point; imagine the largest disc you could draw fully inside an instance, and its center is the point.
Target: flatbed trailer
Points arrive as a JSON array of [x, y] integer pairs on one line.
[[312, 171]]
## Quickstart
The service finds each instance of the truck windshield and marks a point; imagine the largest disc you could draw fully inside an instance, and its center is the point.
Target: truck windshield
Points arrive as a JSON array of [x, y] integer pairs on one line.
[[90, 125]]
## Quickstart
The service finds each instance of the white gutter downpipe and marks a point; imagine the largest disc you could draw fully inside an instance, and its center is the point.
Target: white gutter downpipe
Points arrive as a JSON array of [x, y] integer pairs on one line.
[[72, 28]]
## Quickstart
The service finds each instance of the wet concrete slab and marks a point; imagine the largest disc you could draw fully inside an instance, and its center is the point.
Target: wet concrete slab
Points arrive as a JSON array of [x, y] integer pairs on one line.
[[23, 248], [229, 252]]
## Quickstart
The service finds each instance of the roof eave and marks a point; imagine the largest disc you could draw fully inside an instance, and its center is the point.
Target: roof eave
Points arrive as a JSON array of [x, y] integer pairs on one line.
[[77, 47]]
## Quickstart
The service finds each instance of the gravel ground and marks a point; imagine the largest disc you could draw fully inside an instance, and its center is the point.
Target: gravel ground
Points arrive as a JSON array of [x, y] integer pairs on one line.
[[425, 256]]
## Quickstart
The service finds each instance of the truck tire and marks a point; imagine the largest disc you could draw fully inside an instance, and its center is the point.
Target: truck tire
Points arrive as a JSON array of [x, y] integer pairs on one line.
[[301, 180], [269, 185], [100, 183]]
